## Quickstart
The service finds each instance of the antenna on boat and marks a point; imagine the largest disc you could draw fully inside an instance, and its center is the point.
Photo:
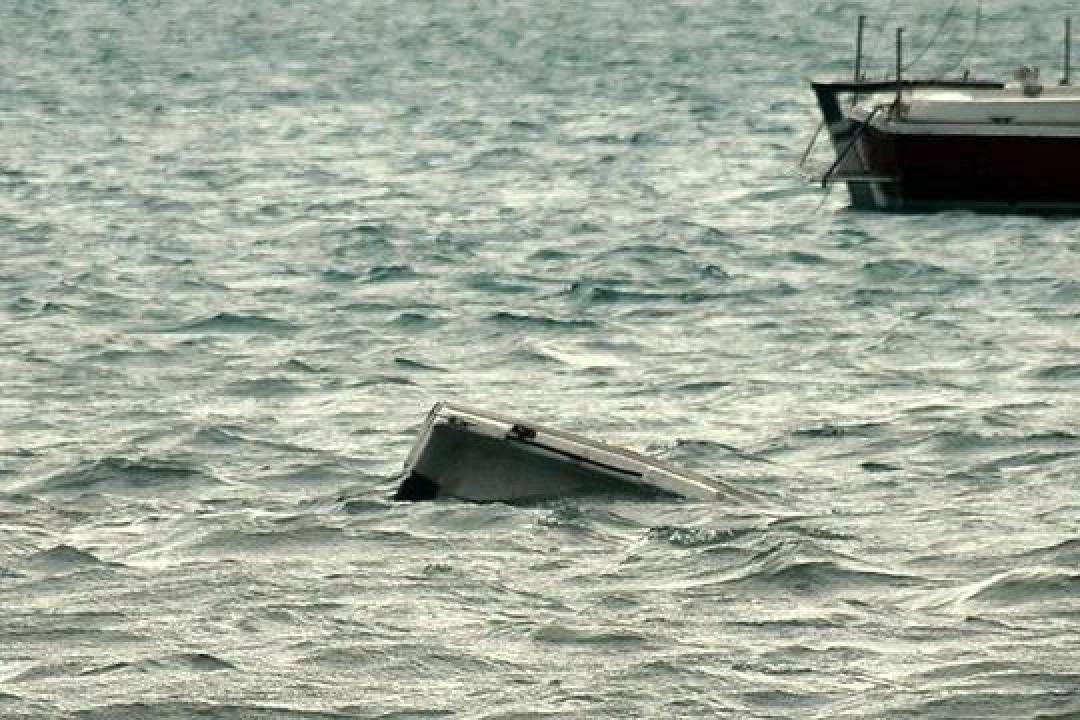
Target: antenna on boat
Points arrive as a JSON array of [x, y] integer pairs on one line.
[[1068, 49], [858, 56], [899, 64], [859, 47]]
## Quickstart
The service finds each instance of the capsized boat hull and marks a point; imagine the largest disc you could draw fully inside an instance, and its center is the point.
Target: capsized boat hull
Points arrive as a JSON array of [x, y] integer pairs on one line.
[[485, 457]]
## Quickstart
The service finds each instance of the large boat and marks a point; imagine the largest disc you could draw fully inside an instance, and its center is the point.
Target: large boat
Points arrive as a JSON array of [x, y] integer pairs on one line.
[[481, 456], [913, 144]]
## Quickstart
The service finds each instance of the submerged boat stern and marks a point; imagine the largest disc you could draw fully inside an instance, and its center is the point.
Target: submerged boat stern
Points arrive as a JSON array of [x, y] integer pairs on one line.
[[480, 456]]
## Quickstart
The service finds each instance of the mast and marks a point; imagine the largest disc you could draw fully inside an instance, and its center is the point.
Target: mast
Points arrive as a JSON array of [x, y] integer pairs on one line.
[[1065, 80], [899, 64], [859, 47], [858, 56]]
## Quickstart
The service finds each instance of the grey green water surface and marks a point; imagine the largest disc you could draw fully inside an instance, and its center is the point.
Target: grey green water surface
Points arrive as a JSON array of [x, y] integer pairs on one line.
[[245, 246]]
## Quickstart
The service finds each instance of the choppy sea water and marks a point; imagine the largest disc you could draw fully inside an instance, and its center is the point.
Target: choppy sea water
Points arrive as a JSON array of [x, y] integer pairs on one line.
[[246, 246]]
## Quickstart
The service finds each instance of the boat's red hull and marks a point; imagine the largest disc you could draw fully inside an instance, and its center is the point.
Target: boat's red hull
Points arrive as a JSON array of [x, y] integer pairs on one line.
[[991, 171], [890, 162]]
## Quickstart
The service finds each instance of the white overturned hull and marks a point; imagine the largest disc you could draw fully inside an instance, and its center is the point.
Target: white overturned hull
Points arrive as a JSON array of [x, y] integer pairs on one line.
[[484, 457]]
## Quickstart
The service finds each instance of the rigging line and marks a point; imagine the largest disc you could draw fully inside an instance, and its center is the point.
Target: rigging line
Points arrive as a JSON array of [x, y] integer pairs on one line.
[[824, 199], [868, 54], [933, 40], [971, 46]]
